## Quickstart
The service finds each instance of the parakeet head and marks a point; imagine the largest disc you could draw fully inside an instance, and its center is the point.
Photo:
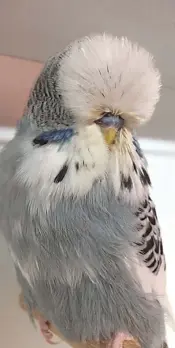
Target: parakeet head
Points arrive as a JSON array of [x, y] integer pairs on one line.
[[100, 89], [106, 76]]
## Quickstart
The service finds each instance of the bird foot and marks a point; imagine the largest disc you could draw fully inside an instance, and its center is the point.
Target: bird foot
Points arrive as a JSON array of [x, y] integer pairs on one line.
[[123, 340]]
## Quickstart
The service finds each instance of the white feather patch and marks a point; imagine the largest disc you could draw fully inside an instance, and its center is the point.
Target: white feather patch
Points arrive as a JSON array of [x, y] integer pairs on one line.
[[149, 281]]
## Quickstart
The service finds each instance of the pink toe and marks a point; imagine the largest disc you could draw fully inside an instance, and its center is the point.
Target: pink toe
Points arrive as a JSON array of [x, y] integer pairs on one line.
[[118, 340]]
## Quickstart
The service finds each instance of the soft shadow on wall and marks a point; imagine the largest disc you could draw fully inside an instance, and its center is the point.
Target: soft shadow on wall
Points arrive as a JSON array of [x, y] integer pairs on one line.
[[17, 78]]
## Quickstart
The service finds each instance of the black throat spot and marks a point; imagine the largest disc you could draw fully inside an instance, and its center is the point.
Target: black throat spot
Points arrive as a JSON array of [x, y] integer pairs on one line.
[[60, 176]]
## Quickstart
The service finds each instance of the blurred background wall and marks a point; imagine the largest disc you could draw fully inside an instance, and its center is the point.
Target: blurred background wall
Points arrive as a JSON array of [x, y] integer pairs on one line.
[[35, 29]]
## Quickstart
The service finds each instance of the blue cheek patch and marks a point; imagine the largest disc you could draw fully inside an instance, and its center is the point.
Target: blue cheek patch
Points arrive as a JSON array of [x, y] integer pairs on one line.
[[54, 136]]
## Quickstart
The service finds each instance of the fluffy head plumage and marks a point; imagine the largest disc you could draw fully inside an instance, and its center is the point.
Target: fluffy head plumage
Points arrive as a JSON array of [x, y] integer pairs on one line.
[[104, 73]]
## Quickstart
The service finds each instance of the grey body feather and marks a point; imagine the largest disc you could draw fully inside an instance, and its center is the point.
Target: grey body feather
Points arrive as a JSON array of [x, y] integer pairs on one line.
[[77, 253]]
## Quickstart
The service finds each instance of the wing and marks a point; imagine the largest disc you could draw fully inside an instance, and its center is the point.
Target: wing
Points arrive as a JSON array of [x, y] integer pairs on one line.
[[151, 266], [151, 247]]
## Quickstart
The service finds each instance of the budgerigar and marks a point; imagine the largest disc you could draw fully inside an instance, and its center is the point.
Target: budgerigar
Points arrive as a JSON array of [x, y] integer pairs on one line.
[[75, 205]]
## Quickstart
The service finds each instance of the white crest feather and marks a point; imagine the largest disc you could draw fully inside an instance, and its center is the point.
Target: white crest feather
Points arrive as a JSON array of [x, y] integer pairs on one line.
[[105, 72]]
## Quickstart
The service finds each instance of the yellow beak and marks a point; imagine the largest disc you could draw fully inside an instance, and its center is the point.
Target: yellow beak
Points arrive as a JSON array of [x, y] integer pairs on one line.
[[109, 135]]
